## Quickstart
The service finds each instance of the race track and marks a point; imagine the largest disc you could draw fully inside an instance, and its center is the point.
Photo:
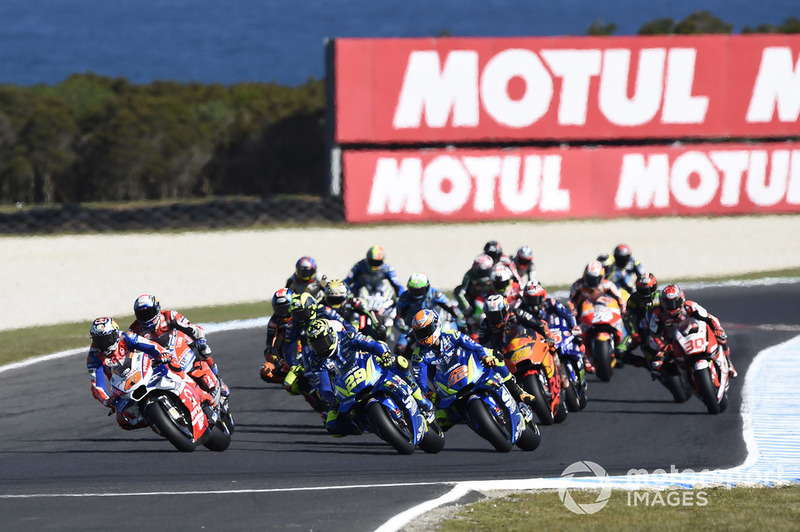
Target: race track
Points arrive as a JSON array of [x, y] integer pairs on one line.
[[64, 465]]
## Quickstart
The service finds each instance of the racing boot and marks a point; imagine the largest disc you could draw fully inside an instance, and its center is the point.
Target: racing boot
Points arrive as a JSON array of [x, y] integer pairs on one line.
[[731, 370], [519, 395]]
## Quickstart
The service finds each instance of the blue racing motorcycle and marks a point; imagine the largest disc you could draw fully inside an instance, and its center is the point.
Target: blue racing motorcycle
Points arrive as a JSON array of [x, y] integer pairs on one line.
[[380, 401], [572, 362]]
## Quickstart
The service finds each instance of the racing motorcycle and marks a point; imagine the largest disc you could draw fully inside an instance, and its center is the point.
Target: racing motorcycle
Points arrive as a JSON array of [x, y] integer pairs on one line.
[[697, 351], [572, 363], [380, 299], [529, 358], [476, 395], [145, 391], [378, 400], [603, 330]]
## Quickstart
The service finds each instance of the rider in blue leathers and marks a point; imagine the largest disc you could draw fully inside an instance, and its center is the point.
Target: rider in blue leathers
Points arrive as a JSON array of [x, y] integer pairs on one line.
[[371, 272]]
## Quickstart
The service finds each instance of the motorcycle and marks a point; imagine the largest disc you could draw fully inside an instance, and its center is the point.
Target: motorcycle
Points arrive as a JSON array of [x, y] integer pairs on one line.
[[699, 354], [380, 300], [572, 363], [603, 330], [380, 401], [167, 401], [476, 395], [530, 359]]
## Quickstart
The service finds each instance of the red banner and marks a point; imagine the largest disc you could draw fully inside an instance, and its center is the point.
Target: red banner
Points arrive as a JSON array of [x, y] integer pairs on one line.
[[493, 89], [476, 185]]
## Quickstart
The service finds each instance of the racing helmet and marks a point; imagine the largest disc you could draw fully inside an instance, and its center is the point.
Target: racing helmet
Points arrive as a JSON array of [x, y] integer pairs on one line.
[[534, 294], [672, 299], [146, 308], [322, 339], [336, 293], [104, 333], [418, 286], [375, 256], [281, 301], [622, 254], [593, 274], [493, 249], [646, 285], [303, 308], [496, 311], [523, 258], [425, 326], [305, 268], [501, 277], [606, 260]]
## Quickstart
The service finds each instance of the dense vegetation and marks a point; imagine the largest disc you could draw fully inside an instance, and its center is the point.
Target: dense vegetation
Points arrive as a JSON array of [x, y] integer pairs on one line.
[[94, 138]]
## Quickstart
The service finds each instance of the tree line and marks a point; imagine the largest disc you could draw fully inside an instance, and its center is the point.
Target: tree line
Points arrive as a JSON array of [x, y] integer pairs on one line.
[[94, 138]]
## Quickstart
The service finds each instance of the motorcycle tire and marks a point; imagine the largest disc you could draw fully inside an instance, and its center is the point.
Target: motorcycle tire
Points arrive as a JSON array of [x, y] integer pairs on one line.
[[385, 427], [601, 358], [571, 398], [530, 438], [705, 385], [561, 412], [488, 426], [540, 407], [154, 413], [433, 441], [220, 438], [675, 386]]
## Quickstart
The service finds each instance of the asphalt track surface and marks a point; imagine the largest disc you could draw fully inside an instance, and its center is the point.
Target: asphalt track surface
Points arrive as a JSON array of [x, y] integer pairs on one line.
[[65, 465]]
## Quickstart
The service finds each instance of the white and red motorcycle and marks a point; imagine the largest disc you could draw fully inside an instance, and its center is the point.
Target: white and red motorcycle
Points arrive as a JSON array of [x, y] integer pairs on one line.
[[146, 392], [697, 351]]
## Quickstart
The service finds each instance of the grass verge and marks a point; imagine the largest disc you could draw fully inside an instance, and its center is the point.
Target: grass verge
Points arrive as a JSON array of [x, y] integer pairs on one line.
[[706, 509], [19, 344]]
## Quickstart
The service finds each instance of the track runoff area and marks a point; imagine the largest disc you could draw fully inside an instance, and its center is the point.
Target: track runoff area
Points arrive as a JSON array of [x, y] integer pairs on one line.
[[769, 414]]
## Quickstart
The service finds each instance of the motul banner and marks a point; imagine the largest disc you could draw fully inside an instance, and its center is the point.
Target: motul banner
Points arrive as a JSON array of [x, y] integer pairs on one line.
[[459, 90], [488, 184]]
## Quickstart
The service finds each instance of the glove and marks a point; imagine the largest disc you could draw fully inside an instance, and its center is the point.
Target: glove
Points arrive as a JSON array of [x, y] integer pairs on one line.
[[164, 357], [380, 330], [202, 347], [385, 360], [489, 361], [722, 339], [549, 341], [655, 368]]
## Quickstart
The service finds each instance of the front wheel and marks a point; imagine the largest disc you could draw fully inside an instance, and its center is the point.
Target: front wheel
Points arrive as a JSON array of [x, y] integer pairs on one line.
[[674, 384], [708, 393], [533, 386], [488, 426], [601, 358], [571, 398], [530, 438], [387, 430], [154, 413]]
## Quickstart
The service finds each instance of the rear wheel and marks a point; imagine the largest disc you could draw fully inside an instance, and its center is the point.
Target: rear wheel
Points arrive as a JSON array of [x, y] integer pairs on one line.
[[395, 434], [157, 416], [705, 385], [601, 358], [433, 441], [540, 406], [488, 426]]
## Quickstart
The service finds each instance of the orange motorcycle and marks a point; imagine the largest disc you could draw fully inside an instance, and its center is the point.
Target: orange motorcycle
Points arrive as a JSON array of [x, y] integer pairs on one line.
[[532, 362], [603, 330]]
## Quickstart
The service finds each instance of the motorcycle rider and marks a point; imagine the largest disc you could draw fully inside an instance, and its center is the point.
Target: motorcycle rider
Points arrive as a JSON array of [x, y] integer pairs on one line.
[[304, 278], [495, 251], [420, 294], [477, 283], [436, 345], [675, 309], [535, 307], [330, 344], [591, 286], [352, 309], [522, 265], [625, 270], [371, 272], [505, 283], [110, 344], [155, 324], [276, 367], [640, 306]]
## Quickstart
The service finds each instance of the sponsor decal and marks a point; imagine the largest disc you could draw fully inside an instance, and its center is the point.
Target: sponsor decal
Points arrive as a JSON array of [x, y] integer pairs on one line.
[[480, 184]]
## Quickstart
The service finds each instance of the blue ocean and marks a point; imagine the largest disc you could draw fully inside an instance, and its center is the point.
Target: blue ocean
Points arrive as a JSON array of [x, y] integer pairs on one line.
[[231, 41]]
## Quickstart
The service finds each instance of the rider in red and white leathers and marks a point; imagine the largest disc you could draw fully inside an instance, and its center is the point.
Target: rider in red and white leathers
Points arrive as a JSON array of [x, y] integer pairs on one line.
[[674, 310], [109, 344], [154, 324]]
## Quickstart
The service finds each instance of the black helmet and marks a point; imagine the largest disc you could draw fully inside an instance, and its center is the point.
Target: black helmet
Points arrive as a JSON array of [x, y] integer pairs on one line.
[[622, 254], [493, 249]]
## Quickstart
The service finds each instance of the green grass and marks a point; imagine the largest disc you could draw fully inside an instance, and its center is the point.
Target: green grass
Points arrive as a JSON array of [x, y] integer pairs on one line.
[[19, 344], [723, 509]]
